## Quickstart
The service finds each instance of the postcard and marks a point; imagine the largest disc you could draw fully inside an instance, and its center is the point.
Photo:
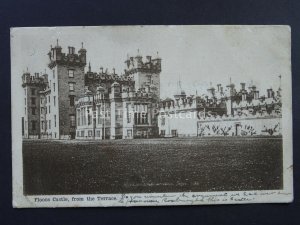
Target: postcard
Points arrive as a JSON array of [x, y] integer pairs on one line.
[[151, 115]]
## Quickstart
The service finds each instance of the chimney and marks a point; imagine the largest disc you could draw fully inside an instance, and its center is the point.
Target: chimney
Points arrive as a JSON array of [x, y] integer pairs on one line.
[[256, 94], [114, 71], [218, 85], [221, 89], [148, 58], [71, 50], [270, 91], [244, 96], [243, 86], [101, 69]]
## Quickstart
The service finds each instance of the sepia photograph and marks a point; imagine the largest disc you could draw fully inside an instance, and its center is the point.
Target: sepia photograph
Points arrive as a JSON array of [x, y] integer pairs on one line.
[[151, 115]]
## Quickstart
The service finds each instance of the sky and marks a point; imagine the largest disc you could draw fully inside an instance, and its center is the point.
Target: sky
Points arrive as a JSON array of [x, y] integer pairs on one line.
[[195, 55]]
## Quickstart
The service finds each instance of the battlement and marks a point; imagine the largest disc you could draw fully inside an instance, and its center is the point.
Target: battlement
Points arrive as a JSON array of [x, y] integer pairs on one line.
[[34, 80], [185, 103], [57, 57], [101, 96], [137, 64], [237, 103], [105, 76]]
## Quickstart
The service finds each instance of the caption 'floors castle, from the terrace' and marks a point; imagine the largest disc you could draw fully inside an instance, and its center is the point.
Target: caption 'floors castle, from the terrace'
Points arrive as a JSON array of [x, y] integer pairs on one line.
[[70, 103]]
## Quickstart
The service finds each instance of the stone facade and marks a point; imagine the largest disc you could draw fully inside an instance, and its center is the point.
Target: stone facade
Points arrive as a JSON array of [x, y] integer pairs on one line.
[[222, 112], [71, 103], [32, 85], [120, 106]]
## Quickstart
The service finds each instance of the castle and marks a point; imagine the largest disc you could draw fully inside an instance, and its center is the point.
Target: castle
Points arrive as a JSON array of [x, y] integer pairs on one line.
[[223, 111], [69, 103]]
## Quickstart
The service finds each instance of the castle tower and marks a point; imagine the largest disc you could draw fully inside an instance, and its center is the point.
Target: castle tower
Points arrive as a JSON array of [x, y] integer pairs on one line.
[[32, 86], [211, 91], [231, 93], [66, 82], [146, 74]]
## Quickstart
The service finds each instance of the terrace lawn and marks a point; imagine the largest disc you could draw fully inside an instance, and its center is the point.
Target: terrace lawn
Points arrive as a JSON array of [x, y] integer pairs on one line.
[[152, 165]]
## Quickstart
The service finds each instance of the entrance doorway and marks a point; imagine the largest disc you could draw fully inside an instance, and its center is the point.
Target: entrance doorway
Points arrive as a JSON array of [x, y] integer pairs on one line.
[[238, 129]]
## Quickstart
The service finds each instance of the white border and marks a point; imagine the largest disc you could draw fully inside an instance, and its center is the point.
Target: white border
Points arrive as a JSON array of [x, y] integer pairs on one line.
[[157, 199]]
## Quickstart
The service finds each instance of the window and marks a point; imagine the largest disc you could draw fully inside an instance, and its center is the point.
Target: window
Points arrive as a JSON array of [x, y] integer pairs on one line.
[[71, 86], [33, 110], [90, 133], [53, 86], [99, 114], [72, 102], [43, 125], [89, 115], [128, 117], [162, 133], [54, 100], [72, 120], [78, 134], [54, 120], [144, 118], [71, 73], [135, 118], [53, 74], [33, 125], [32, 91], [49, 124], [25, 100], [174, 133], [49, 109], [46, 110], [78, 117], [118, 114], [82, 133], [82, 117], [148, 79], [33, 101], [49, 99], [98, 133], [25, 110]]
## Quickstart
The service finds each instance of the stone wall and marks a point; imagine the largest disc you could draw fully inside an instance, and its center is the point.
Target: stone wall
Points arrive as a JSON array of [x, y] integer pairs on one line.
[[240, 127]]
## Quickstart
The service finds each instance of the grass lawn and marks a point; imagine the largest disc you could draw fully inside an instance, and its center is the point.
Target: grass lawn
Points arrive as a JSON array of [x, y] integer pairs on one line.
[[152, 165]]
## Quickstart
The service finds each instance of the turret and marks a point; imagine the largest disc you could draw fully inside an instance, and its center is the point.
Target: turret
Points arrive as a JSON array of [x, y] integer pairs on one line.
[[55, 52], [56, 56], [82, 54], [243, 85], [270, 93], [230, 89], [115, 90], [211, 91], [138, 60], [256, 95]]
